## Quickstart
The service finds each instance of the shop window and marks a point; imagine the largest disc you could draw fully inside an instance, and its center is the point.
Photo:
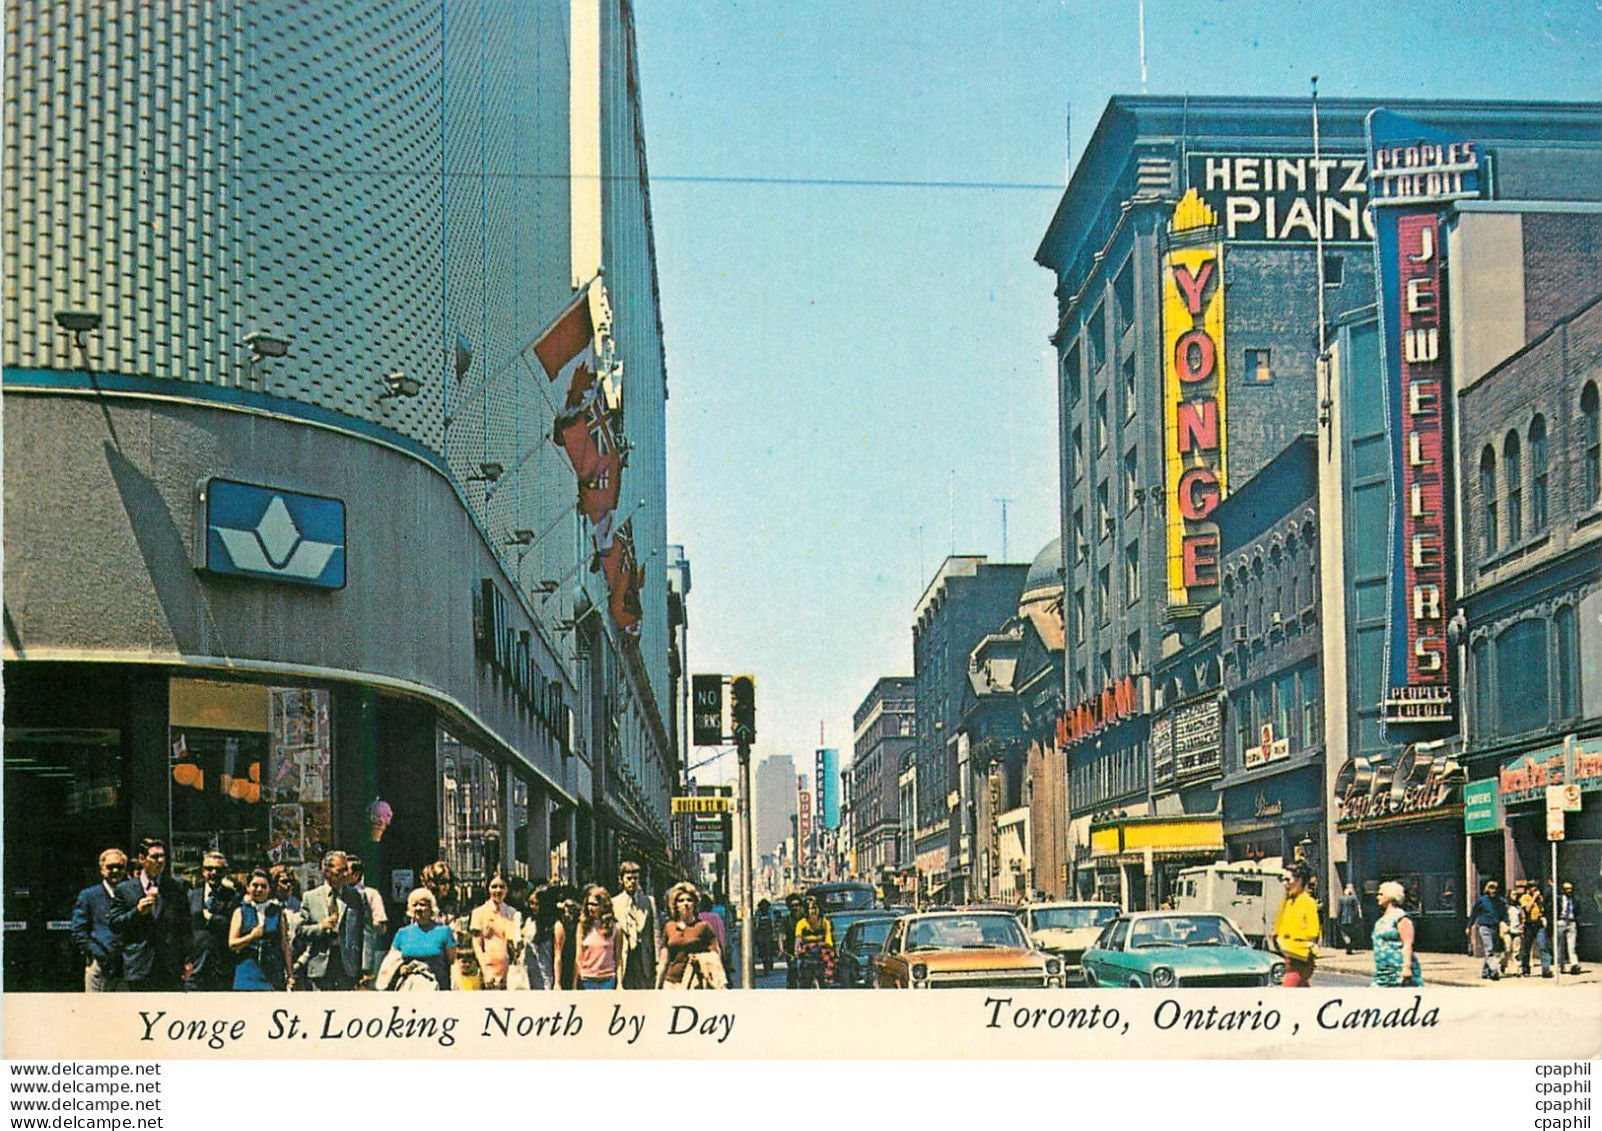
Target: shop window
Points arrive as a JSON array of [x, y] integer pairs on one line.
[[470, 807], [1591, 443], [1521, 676], [251, 771]]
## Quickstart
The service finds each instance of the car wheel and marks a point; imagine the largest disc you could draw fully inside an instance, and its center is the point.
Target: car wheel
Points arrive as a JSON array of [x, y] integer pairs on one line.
[[1136, 984], [1090, 979]]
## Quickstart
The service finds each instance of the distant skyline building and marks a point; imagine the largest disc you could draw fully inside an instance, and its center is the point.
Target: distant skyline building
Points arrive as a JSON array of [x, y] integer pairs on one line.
[[774, 804]]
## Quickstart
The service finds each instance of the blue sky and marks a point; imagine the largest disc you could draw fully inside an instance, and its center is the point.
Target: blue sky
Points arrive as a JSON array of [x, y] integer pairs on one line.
[[854, 361]]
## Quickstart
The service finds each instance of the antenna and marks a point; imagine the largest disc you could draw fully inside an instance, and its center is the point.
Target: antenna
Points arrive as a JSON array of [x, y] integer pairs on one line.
[[1068, 142], [951, 503], [1004, 503], [820, 732], [1143, 46], [1322, 362]]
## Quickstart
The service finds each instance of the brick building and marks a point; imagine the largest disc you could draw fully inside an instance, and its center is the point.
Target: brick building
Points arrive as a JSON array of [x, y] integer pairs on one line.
[[884, 729]]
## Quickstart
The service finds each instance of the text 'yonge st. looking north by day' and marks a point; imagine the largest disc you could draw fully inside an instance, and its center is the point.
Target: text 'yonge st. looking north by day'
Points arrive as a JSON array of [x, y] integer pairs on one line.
[[346, 646]]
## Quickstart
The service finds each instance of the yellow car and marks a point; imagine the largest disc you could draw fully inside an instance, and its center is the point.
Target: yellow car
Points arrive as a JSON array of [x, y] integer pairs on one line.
[[962, 950]]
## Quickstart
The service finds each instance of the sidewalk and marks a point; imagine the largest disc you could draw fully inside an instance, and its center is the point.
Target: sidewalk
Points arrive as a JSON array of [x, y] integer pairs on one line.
[[1457, 970]]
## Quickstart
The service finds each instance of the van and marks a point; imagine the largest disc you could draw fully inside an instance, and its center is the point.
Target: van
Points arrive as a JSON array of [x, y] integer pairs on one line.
[[1248, 892]]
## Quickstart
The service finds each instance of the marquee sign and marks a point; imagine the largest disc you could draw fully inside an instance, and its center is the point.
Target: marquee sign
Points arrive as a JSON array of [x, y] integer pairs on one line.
[[1527, 776], [1193, 399], [1285, 198], [509, 653], [1113, 705], [1185, 741], [1421, 784], [1403, 158]]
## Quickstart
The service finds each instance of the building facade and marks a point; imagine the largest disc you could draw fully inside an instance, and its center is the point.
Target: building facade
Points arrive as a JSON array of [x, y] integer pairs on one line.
[[338, 591], [884, 739]]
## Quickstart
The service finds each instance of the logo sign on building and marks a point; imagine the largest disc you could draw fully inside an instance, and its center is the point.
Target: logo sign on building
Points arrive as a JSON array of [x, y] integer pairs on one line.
[[1268, 748], [706, 707], [509, 652], [1405, 160], [1585, 762], [1526, 776], [1418, 785], [1193, 399], [1479, 807], [1285, 198], [803, 816], [274, 535], [1113, 705]]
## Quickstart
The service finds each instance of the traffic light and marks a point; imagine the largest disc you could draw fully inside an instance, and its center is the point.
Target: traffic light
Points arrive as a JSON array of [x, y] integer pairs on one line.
[[742, 706]]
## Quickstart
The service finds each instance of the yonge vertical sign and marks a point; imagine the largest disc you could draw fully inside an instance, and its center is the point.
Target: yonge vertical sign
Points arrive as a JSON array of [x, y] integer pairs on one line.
[[1414, 172], [1193, 399]]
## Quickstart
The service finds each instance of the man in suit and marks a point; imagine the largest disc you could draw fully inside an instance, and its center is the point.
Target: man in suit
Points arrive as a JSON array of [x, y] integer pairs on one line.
[[333, 926], [1567, 929], [635, 913], [150, 915], [211, 910], [91, 927]]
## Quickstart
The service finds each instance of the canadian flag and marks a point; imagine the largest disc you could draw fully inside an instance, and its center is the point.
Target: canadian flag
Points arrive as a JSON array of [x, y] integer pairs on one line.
[[568, 342]]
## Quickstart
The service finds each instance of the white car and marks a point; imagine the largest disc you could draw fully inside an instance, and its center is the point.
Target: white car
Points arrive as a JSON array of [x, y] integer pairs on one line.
[[1065, 928]]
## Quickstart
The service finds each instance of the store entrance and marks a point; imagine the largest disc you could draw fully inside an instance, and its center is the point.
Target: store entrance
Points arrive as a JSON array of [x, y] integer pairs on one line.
[[65, 802]]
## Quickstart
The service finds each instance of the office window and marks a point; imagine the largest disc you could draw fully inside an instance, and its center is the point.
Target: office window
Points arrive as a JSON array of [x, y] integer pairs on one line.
[[1286, 709], [1079, 617], [1134, 653], [1591, 443], [1258, 369], [1244, 732], [1096, 332], [1132, 572], [1104, 593], [1131, 483], [1488, 501], [1081, 547], [1512, 471], [1104, 520], [1073, 379], [1538, 474], [1521, 676], [1106, 669], [1076, 459], [1131, 390], [1565, 629], [1124, 297], [1334, 270], [1311, 732], [1101, 423]]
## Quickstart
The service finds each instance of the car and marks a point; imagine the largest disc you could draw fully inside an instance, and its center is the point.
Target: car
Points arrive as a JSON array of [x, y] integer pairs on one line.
[[962, 950], [856, 948], [1176, 949], [849, 895], [1065, 928]]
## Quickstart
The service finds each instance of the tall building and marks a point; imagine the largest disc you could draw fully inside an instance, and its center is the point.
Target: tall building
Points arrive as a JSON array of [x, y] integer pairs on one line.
[[884, 739], [774, 789], [968, 598], [1040, 684], [826, 780], [273, 292]]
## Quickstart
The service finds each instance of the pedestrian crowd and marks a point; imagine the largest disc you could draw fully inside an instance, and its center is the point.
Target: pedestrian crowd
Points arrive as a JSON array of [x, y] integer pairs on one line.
[[1524, 925], [142, 929]]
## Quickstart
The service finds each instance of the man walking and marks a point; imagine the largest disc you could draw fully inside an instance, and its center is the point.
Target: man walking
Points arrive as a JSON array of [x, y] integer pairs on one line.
[[635, 912], [150, 914], [1567, 928], [1536, 934], [373, 948], [333, 926], [91, 927], [1485, 922], [211, 910], [1349, 915]]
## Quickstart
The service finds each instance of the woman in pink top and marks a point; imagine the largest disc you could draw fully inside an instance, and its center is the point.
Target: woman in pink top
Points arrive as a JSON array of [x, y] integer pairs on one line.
[[597, 941], [495, 931]]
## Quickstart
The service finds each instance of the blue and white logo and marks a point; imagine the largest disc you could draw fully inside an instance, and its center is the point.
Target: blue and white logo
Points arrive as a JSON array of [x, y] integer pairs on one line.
[[276, 535]]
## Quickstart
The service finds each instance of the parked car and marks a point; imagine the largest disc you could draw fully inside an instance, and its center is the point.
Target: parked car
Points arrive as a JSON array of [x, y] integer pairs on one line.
[[1167, 949], [861, 941], [962, 949], [849, 895], [1066, 928]]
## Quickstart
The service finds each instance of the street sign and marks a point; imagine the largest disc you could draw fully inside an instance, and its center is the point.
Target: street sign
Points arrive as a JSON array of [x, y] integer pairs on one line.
[[1556, 800], [706, 707], [682, 805]]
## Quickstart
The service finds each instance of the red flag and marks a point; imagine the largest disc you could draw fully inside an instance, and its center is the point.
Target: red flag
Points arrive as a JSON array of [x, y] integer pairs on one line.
[[627, 612], [599, 483], [568, 339]]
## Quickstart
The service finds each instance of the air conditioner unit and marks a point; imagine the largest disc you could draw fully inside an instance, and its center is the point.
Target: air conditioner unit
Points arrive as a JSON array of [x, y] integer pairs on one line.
[[1240, 634]]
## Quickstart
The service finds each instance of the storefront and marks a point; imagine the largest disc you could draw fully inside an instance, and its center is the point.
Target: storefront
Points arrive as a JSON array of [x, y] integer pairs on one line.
[[1134, 859], [1403, 820], [1276, 815], [1505, 822]]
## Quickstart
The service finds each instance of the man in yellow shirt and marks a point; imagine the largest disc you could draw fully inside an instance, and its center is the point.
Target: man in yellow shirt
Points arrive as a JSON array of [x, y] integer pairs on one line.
[[1296, 928]]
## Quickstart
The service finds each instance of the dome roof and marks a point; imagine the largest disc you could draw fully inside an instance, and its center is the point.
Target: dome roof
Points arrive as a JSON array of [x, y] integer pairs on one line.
[[1045, 574]]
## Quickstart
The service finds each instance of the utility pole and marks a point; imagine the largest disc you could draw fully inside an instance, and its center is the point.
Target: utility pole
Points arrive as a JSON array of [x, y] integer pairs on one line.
[[742, 714]]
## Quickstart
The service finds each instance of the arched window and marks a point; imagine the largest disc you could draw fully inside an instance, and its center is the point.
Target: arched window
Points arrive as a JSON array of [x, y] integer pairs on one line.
[[1591, 442], [1512, 471], [1488, 501], [1538, 474]]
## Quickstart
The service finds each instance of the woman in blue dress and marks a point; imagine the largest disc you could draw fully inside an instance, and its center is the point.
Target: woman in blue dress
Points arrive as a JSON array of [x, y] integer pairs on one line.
[[257, 935], [424, 940], [1395, 964]]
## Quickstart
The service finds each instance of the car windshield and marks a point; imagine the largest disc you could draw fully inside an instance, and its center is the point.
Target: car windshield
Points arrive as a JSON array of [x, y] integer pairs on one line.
[[1183, 930], [851, 897], [965, 932], [1071, 918], [871, 934]]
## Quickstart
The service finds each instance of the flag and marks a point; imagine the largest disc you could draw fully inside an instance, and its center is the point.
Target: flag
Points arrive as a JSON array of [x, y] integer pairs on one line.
[[568, 341], [599, 483]]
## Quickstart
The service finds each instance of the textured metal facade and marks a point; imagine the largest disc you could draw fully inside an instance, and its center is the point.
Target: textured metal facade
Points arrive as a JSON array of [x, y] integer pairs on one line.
[[372, 182]]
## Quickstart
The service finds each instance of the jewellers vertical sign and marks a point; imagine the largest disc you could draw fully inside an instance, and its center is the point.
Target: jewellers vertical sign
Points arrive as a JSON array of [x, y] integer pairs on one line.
[[1414, 172], [1193, 400]]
